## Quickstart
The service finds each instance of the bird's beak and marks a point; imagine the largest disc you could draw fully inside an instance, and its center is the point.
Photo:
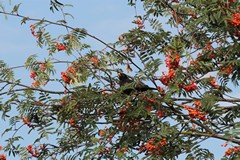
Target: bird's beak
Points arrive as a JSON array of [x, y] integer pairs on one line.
[[119, 74]]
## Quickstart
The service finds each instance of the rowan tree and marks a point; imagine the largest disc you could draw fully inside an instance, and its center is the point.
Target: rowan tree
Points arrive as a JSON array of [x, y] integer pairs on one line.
[[158, 92]]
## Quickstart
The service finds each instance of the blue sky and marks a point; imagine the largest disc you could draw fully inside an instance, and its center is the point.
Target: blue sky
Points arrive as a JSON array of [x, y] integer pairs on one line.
[[104, 19]]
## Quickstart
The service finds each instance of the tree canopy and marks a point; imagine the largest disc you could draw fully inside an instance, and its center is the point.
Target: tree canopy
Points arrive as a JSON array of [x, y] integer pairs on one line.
[[163, 88]]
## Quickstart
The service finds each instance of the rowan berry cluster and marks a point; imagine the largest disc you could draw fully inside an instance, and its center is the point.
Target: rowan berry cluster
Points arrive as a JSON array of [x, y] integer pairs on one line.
[[231, 151], [32, 27], [213, 82], [2, 156], [139, 23], [226, 71], [194, 112], [69, 75], [34, 74], [235, 21], [128, 124], [161, 90], [191, 87], [153, 146], [124, 150], [27, 122], [34, 152], [60, 47], [172, 63]]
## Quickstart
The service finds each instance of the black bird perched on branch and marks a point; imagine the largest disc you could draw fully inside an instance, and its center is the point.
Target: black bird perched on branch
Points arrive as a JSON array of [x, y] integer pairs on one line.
[[128, 85]]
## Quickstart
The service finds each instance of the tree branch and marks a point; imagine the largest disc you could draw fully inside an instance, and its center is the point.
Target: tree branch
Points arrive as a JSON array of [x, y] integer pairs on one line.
[[27, 88]]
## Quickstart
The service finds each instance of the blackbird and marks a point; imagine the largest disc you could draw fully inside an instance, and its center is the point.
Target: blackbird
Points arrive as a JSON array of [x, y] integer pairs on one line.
[[129, 85]]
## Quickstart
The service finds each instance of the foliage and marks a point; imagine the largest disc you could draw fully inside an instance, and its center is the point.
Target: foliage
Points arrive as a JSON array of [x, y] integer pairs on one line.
[[190, 70]]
